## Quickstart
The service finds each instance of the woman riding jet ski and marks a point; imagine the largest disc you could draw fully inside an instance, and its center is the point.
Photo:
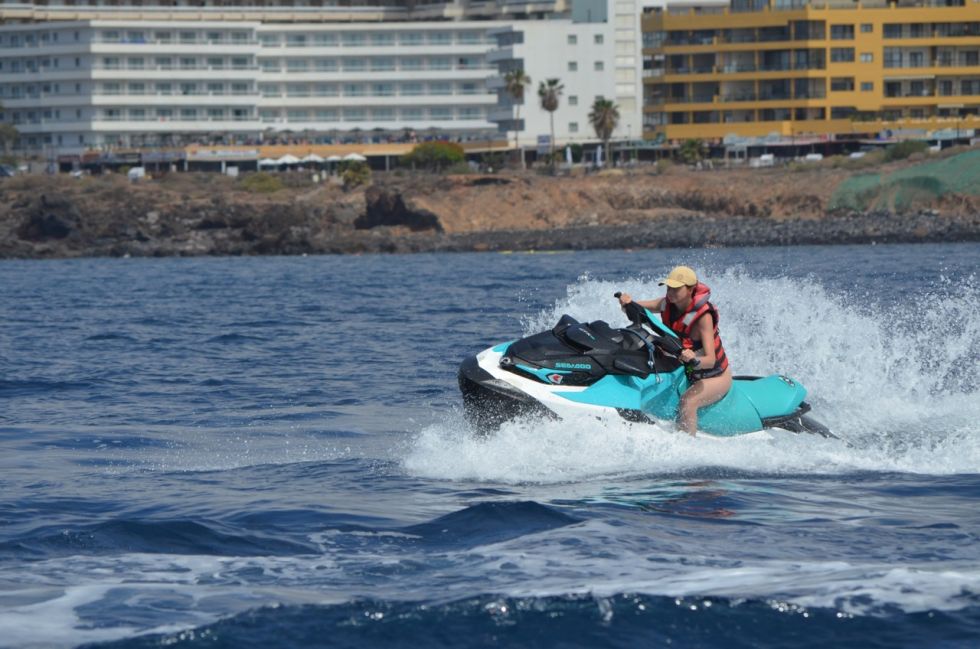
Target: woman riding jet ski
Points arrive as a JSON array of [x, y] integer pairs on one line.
[[633, 374]]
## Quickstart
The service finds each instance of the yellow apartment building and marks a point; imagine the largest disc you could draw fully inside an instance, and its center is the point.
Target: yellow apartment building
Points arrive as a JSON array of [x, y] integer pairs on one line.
[[839, 68]]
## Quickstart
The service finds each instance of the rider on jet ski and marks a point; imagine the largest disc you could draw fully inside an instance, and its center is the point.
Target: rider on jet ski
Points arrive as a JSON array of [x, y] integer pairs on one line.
[[683, 310]]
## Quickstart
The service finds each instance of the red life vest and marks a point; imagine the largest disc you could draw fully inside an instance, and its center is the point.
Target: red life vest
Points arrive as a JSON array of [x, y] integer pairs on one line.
[[683, 323]]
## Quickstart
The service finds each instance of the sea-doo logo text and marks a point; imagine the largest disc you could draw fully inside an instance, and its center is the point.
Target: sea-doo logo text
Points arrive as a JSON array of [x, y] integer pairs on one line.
[[574, 366]]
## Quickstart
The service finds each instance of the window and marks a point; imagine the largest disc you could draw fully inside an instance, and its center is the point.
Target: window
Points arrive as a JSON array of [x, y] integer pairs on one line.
[[867, 28], [867, 86], [411, 113], [383, 114], [598, 39], [353, 39], [599, 66], [412, 89], [325, 90], [297, 65], [411, 39], [573, 127], [216, 88], [382, 39], [440, 88], [867, 57], [573, 100], [355, 65], [353, 90], [440, 63], [842, 32], [327, 115], [383, 90], [295, 40], [572, 39], [134, 63], [382, 64], [842, 54], [441, 38], [893, 30], [441, 114], [841, 84], [412, 63], [325, 40], [572, 66], [325, 65], [216, 63], [164, 62]]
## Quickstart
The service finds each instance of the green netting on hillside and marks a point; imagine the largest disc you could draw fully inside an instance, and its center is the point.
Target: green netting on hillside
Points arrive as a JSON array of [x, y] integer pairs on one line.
[[856, 193], [915, 185]]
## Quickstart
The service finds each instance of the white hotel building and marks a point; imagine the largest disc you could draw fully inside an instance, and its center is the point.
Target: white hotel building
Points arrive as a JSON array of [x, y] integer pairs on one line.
[[99, 75]]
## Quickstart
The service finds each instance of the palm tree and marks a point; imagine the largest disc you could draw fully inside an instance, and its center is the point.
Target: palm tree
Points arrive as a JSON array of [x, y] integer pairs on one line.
[[549, 91], [604, 118], [514, 82]]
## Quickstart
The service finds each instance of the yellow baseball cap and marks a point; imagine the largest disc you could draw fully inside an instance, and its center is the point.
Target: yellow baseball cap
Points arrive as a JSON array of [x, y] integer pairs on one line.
[[680, 276]]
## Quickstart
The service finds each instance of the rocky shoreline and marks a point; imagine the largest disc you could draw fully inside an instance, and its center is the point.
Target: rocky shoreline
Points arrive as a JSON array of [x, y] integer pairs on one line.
[[197, 214]]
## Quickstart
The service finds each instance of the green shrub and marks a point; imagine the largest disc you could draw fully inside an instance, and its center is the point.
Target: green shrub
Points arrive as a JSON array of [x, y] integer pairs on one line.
[[261, 183], [434, 156], [691, 151], [663, 164], [903, 150], [355, 174]]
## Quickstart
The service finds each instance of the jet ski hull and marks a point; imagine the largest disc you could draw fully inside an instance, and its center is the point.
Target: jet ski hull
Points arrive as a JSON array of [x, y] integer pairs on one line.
[[493, 395]]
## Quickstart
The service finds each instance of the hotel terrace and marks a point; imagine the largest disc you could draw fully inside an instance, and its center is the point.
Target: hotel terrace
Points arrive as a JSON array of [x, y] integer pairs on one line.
[[826, 68]]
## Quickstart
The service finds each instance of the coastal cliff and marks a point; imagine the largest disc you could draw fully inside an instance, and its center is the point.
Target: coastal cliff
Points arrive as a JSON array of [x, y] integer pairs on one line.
[[935, 199]]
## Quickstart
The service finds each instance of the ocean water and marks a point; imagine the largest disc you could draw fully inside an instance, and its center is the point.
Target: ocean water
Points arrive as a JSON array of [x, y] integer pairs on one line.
[[269, 452]]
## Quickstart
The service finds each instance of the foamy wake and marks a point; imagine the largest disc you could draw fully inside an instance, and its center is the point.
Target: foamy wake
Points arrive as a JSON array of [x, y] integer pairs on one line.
[[897, 383]]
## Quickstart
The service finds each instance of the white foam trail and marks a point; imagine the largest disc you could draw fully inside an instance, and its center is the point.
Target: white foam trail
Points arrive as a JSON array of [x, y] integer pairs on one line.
[[898, 383]]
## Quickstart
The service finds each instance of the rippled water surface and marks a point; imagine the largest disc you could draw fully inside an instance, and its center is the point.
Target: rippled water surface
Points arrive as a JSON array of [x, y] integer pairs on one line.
[[269, 452]]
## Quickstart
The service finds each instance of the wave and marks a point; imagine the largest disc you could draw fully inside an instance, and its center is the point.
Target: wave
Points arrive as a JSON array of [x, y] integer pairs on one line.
[[166, 536], [620, 620]]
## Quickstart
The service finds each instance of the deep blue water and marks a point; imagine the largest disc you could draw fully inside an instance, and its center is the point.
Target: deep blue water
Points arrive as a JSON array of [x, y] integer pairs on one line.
[[269, 452]]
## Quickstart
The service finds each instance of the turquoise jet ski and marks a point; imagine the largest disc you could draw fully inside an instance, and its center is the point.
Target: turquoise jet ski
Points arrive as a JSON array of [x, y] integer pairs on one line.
[[578, 370]]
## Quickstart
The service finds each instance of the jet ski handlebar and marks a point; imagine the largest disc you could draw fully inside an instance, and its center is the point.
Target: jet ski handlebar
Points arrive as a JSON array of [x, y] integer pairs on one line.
[[637, 315]]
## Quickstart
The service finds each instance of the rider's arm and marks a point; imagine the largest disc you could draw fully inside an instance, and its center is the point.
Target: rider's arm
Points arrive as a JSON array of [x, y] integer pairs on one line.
[[652, 305]]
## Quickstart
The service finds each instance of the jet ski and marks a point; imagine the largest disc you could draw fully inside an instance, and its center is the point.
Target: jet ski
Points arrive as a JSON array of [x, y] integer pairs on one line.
[[632, 374]]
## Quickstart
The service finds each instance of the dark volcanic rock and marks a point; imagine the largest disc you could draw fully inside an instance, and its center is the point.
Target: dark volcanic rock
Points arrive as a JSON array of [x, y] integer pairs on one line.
[[387, 207], [48, 218]]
